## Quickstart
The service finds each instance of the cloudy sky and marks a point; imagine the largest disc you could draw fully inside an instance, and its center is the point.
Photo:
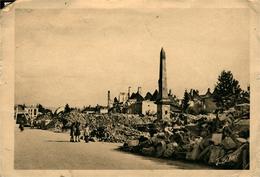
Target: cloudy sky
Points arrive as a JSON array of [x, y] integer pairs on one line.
[[74, 56]]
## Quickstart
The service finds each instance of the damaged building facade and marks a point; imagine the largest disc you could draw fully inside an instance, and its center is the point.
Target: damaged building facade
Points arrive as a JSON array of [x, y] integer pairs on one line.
[[25, 113], [201, 103]]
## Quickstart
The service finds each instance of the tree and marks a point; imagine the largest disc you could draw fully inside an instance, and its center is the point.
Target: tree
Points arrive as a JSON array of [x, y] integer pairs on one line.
[[67, 108], [115, 100], [244, 96], [227, 90], [185, 101], [40, 108], [23, 106], [116, 105], [43, 110]]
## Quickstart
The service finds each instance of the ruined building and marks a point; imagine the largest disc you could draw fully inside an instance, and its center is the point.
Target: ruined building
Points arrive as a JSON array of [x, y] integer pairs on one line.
[[201, 103], [137, 104]]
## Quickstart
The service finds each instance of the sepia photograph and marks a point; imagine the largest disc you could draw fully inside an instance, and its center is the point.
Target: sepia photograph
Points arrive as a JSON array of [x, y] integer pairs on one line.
[[134, 89], [129, 88]]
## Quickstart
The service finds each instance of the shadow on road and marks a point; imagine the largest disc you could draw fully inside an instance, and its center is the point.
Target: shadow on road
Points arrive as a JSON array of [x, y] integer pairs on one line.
[[179, 164]]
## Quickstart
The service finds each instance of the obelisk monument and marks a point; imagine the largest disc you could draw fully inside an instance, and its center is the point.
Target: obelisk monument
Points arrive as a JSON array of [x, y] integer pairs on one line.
[[163, 101]]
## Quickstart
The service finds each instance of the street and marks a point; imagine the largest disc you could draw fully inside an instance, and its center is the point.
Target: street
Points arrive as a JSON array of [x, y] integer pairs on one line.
[[42, 149]]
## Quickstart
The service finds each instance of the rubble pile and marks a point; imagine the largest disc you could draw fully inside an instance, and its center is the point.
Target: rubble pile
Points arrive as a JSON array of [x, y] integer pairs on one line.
[[107, 127], [42, 121], [54, 125], [114, 127], [99, 120], [217, 140], [73, 116], [118, 134], [122, 119], [42, 117], [47, 122]]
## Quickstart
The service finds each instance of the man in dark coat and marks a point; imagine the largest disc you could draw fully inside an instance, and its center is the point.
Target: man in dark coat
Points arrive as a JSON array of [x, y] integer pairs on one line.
[[72, 132], [77, 132]]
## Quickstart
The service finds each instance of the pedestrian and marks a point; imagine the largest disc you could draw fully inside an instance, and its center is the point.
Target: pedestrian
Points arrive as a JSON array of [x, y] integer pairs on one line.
[[86, 133], [72, 132], [21, 126], [34, 123], [31, 123], [77, 132]]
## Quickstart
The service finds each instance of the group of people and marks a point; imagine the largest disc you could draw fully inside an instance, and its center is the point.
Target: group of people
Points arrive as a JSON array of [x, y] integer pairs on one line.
[[75, 132]]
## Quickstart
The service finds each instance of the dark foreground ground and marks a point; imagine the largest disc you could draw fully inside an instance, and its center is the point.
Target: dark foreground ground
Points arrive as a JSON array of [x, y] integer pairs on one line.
[[41, 149]]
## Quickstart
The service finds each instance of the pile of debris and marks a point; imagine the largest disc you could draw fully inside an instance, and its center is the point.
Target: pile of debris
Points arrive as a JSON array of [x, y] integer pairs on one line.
[[47, 122], [73, 116], [113, 128], [221, 143], [54, 125], [118, 134], [106, 127], [42, 121]]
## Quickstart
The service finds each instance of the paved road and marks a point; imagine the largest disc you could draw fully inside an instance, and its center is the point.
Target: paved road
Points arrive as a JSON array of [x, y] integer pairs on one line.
[[41, 149]]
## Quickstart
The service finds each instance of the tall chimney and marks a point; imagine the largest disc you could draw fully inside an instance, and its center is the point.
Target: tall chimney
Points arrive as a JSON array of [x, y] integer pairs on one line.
[[108, 99], [129, 92], [139, 90]]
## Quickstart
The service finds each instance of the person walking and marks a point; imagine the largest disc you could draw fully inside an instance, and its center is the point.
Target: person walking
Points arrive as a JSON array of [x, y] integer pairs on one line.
[[31, 123], [72, 132], [21, 126], [86, 133], [77, 132]]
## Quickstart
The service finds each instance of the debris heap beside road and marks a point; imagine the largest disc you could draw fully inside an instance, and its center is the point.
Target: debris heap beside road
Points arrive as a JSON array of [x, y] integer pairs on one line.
[[103, 127], [219, 140]]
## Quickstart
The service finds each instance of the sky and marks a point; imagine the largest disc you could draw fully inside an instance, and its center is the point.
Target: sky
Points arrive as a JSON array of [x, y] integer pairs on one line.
[[75, 56]]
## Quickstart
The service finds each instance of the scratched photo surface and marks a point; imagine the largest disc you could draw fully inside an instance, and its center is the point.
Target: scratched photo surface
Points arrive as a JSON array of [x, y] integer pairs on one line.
[[132, 89]]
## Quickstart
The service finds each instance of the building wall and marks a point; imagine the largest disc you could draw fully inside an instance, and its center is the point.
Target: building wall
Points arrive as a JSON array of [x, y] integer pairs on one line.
[[21, 115], [122, 97], [163, 111], [27, 114], [131, 106], [149, 107], [130, 109], [143, 107], [103, 111], [138, 108], [32, 112]]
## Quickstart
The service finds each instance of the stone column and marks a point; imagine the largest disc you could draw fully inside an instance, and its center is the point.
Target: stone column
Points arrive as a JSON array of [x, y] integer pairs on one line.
[[163, 102]]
